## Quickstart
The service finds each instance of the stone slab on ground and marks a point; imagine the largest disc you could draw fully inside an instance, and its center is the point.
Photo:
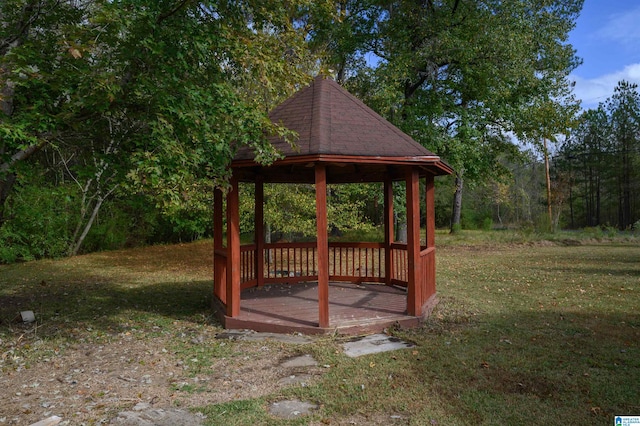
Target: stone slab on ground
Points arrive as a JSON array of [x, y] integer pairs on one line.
[[291, 409], [300, 361], [49, 421], [144, 415], [373, 344]]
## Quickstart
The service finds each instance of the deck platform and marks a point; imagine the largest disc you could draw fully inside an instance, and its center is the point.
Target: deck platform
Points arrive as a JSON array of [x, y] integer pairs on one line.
[[353, 308]]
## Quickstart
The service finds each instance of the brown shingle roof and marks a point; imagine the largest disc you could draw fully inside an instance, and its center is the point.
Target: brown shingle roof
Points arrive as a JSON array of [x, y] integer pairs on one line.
[[331, 121]]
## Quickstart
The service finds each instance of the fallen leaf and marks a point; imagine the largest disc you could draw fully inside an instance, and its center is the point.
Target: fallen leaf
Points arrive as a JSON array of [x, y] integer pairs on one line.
[[75, 53]]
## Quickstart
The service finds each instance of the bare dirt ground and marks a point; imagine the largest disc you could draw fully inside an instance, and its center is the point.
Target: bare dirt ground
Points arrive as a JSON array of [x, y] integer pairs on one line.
[[90, 384]]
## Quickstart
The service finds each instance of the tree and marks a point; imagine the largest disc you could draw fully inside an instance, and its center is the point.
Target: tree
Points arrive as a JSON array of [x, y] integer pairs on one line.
[[443, 74], [146, 93], [624, 111], [584, 156]]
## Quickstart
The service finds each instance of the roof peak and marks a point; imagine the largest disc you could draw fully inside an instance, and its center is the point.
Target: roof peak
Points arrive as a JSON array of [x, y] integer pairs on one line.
[[331, 121]]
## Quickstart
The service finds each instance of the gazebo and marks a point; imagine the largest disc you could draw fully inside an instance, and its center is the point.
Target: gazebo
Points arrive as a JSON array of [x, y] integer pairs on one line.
[[323, 286]]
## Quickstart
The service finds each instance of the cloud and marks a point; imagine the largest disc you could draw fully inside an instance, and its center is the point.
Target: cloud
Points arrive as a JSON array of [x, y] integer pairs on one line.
[[592, 91], [622, 27]]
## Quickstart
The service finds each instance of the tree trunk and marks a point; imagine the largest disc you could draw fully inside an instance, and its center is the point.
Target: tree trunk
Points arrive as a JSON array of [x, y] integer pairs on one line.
[[548, 176], [267, 240], [87, 227], [401, 232], [456, 212]]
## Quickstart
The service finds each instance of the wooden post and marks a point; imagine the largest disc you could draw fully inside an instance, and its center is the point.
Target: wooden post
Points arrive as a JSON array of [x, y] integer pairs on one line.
[[430, 211], [219, 262], [233, 250], [259, 230], [414, 275], [323, 245], [388, 230]]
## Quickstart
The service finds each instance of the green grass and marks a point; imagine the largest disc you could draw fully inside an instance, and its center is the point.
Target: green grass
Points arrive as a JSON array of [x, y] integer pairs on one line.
[[534, 331]]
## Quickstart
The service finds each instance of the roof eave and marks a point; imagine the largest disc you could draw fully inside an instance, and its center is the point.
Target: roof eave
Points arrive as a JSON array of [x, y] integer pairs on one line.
[[432, 161]]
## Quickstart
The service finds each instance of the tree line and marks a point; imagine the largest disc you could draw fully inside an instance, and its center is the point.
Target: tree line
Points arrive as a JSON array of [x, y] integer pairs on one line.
[[597, 168], [118, 117]]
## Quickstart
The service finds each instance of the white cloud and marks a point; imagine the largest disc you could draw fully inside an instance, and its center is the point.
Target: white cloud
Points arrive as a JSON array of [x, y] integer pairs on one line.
[[622, 27], [592, 91]]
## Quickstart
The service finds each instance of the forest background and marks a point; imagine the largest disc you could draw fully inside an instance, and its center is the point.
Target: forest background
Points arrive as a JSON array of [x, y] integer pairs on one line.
[[119, 117]]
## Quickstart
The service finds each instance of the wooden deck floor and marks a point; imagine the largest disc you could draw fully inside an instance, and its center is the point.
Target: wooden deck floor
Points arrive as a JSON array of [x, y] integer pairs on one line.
[[353, 308]]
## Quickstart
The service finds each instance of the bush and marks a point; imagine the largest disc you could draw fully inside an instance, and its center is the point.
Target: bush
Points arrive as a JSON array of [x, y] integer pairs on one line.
[[487, 224], [594, 232], [38, 222]]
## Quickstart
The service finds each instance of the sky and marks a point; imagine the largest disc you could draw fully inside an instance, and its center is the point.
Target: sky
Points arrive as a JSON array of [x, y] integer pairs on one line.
[[607, 38]]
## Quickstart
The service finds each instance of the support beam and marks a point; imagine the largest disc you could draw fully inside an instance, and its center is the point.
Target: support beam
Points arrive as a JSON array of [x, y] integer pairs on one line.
[[388, 230], [219, 260], [430, 265], [323, 245], [259, 230], [233, 250], [430, 211], [414, 274]]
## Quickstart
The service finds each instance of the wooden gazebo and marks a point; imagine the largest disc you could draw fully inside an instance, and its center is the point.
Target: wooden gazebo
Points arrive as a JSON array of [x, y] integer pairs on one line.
[[321, 286]]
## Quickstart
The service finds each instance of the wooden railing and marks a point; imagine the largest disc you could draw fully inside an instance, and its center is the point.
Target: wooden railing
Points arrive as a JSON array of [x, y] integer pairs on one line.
[[295, 262], [248, 265], [428, 266], [399, 264], [356, 262], [290, 262]]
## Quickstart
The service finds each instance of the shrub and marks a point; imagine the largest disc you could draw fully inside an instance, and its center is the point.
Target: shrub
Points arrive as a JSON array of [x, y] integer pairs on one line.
[[487, 224], [38, 222]]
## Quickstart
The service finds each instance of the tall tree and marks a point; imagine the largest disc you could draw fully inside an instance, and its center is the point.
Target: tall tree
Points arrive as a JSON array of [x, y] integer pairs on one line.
[[624, 110], [586, 152], [460, 76]]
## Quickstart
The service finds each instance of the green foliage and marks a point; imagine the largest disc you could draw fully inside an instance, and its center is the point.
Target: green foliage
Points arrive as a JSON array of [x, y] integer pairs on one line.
[[487, 224], [142, 104], [456, 228], [290, 209], [143, 96], [445, 78], [39, 223]]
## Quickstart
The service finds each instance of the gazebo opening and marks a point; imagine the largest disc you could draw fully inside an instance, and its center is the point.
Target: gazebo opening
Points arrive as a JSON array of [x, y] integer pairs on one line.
[[320, 286]]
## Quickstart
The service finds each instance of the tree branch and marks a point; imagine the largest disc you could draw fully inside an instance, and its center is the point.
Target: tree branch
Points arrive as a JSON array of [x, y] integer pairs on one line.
[[30, 13], [21, 156], [173, 11]]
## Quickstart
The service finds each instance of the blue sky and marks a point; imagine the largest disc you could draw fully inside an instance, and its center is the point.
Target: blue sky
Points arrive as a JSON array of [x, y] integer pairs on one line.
[[607, 38]]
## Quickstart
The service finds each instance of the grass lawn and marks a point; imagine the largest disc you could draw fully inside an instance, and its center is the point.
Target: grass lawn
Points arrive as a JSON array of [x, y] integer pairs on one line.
[[526, 332]]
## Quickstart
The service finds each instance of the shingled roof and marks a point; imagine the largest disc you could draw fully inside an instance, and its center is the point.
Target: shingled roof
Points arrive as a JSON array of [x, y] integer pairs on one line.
[[333, 125]]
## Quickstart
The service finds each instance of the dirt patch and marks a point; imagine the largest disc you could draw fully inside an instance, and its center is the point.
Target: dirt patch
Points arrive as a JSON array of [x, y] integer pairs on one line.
[[92, 383]]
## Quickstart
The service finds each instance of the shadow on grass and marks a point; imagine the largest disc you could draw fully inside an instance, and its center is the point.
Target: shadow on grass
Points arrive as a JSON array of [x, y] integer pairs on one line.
[[105, 291], [542, 368], [107, 307]]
